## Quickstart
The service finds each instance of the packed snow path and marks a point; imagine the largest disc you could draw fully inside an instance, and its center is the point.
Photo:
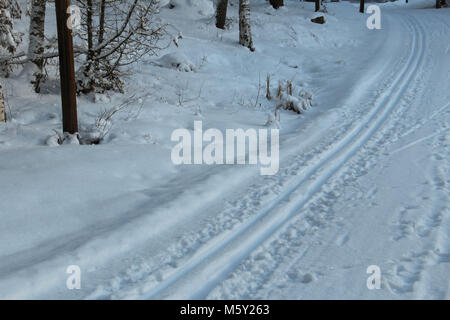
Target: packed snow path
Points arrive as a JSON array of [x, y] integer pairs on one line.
[[260, 257], [367, 187]]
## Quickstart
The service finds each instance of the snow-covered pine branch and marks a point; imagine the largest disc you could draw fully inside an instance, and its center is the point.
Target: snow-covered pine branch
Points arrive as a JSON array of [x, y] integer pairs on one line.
[[9, 38]]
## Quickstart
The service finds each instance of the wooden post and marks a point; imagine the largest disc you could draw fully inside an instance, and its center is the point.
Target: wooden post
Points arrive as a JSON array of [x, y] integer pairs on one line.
[[2, 106], [276, 3], [66, 68], [317, 6], [361, 6]]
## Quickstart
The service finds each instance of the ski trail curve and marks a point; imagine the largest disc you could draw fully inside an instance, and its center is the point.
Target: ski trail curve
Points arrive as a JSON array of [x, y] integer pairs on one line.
[[213, 262]]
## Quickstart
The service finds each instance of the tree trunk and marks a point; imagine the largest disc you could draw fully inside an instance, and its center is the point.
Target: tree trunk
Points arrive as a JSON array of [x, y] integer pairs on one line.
[[66, 68], [90, 35], [317, 5], [221, 14], [438, 4], [245, 33], [101, 31], [2, 106], [90, 42], [361, 6], [276, 3], [36, 42]]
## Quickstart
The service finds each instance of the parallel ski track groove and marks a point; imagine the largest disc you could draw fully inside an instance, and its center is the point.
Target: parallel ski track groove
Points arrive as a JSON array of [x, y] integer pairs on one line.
[[328, 166]]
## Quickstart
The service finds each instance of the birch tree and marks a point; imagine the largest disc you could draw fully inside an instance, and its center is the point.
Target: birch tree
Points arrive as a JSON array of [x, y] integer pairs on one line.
[[245, 33], [36, 43], [221, 13]]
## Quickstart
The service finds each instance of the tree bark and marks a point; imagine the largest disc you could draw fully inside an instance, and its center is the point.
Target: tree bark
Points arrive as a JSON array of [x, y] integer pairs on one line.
[[2, 106], [90, 41], [101, 31], [66, 69], [245, 33], [276, 3], [221, 14], [361, 6], [36, 42]]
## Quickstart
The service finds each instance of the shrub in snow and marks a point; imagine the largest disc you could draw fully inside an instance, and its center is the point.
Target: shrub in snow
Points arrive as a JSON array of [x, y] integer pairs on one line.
[[286, 99], [96, 133], [290, 102]]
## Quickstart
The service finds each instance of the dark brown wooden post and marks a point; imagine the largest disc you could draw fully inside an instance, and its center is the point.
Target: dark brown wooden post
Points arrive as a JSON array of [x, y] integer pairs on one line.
[[276, 3], [361, 6], [317, 7], [2, 106], [66, 68]]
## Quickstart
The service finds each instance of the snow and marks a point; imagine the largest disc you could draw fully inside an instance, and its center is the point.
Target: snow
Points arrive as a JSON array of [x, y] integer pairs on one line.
[[363, 178], [176, 60]]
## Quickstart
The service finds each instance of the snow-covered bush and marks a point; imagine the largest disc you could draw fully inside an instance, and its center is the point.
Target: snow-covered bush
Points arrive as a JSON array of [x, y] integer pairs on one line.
[[288, 98], [176, 60]]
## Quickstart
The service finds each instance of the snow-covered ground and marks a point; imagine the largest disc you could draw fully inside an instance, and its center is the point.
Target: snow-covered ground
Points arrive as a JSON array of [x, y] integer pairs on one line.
[[363, 179]]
